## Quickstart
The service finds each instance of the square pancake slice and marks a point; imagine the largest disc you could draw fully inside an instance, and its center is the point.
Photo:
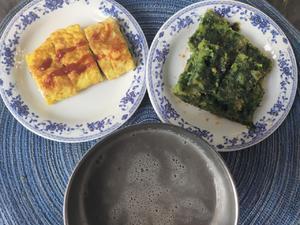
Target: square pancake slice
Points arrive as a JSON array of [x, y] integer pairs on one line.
[[225, 71], [63, 65], [110, 47]]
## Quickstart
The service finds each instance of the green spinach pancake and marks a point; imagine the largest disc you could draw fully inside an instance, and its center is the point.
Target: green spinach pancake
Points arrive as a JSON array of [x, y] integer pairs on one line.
[[225, 71]]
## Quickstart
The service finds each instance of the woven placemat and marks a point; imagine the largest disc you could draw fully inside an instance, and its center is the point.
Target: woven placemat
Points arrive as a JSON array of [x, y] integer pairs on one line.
[[34, 171]]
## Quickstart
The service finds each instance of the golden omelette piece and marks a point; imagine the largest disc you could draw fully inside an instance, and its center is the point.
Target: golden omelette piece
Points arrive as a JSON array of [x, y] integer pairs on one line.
[[63, 65], [110, 47]]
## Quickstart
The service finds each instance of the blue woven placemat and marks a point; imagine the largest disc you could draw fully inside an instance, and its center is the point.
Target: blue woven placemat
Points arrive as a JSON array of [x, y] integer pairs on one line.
[[34, 171]]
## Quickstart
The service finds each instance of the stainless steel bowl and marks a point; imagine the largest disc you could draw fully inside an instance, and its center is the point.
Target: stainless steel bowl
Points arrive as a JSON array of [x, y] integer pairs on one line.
[[151, 174]]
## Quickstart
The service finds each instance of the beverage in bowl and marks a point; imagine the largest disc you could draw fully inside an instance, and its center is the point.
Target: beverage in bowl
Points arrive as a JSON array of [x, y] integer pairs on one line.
[[151, 174]]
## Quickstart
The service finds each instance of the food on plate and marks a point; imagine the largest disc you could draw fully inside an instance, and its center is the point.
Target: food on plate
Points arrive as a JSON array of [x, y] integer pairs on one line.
[[63, 65], [110, 47], [225, 71]]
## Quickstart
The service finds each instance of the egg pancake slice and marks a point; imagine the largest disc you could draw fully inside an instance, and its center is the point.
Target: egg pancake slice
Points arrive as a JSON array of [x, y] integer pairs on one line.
[[110, 47], [63, 65]]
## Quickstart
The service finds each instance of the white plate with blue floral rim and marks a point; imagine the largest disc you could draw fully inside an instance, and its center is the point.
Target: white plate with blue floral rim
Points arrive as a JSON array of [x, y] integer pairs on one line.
[[169, 54], [91, 114]]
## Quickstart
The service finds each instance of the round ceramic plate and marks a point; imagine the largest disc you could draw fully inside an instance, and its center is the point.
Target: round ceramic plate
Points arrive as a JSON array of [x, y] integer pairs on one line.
[[169, 54], [91, 114], [151, 174]]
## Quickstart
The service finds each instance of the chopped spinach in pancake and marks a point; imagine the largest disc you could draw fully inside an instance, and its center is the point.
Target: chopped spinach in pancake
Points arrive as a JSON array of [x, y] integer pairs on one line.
[[224, 72]]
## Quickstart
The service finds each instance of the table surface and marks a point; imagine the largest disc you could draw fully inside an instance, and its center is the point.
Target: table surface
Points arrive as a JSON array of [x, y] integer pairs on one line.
[[253, 163]]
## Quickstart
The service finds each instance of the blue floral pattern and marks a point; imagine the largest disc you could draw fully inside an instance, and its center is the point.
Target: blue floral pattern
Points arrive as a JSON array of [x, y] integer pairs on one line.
[[184, 22], [285, 63], [101, 124], [19, 106], [8, 57], [260, 22], [63, 131], [205, 134], [230, 10], [257, 20], [28, 19], [110, 10], [168, 112], [286, 79], [53, 4]]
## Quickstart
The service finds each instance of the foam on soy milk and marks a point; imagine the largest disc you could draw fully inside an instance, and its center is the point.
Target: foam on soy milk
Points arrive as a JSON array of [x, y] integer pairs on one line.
[[148, 201], [152, 182], [177, 168], [144, 169]]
